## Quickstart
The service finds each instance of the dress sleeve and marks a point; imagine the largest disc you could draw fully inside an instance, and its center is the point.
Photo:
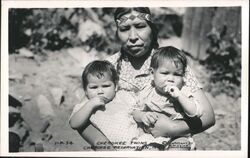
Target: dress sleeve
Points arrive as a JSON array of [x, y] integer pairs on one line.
[[113, 58], [190, 80], [141, 98], [129, 98]]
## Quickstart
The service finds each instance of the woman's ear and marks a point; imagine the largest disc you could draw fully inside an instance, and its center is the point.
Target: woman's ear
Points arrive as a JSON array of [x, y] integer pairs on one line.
[[117, 36]]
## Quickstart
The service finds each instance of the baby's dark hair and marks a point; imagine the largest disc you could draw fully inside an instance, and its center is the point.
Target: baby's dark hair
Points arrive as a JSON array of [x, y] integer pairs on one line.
[[98, 68], [170, 53]]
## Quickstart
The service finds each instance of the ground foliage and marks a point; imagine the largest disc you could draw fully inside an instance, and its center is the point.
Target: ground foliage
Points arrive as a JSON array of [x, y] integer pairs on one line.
[[223, 62], [57, 28]]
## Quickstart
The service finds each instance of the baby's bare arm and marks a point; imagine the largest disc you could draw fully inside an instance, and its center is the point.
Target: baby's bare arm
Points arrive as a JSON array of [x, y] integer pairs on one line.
[[81, 117], [187, 104], [164, 126], [207, 118]]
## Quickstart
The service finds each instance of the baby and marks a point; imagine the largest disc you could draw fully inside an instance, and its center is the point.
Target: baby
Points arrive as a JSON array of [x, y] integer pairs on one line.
[[109, 110], [166, 94]]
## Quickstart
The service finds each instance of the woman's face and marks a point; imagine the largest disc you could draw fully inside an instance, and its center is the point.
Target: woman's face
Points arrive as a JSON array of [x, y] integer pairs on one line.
[[135, 35]]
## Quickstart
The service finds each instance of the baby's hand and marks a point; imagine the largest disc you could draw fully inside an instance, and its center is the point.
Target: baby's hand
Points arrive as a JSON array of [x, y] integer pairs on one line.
[[149, 118], [173, 91], [98, 101]]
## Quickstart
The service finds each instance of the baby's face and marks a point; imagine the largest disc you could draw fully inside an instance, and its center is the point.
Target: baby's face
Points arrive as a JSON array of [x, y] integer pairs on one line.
[[100, 87], [168, 74]]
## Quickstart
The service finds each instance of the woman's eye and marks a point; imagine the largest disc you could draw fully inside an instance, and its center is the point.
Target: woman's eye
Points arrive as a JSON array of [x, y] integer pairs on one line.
[[139, 26], [123, 28]]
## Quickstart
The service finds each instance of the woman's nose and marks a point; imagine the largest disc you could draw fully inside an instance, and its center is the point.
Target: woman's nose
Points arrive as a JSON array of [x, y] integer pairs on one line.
[[133, 37]]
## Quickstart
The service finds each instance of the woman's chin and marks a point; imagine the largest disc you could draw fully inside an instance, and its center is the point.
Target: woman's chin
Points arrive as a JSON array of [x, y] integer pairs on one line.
[[138, 53]]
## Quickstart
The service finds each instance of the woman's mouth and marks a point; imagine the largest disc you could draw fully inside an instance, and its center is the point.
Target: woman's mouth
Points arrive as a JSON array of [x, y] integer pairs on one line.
[[137, 46]]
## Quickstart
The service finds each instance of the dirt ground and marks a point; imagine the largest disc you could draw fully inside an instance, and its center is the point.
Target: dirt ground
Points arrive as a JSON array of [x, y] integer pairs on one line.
[[57, 76]]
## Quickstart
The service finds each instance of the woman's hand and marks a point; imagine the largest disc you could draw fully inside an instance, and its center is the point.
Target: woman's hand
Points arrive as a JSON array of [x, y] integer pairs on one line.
[[164, 126], [160, 128], [149, 118]]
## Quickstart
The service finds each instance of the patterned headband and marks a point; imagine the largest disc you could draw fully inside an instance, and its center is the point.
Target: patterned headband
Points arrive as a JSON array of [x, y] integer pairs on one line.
[[142, 16]]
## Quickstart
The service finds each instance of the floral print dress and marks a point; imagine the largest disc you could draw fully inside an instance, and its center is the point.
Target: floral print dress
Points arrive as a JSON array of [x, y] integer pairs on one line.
[[135, 80]]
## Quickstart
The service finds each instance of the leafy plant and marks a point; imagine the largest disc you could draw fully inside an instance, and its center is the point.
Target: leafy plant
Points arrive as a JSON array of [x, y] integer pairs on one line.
[[223, 61], [43, 29], [57, 28]]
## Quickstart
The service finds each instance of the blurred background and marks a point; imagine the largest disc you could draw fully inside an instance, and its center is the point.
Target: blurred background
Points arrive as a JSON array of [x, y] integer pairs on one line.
[[48, 49]]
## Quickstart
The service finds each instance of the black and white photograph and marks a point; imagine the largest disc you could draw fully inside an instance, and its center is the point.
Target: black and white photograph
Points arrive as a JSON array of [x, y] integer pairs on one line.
[[123, 78]]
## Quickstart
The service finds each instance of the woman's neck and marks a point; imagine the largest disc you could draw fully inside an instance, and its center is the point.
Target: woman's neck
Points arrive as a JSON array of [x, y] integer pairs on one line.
[[137, 62]]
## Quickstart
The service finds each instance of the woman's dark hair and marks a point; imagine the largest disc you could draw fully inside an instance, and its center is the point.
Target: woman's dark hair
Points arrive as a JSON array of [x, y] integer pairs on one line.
[[170, 53], [119, 12], [98, 68]]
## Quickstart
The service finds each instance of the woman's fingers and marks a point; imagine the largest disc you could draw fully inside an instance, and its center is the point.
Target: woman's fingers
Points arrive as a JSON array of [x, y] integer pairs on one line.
[[154, 115], [151, 120], [145, 121], [151, 117]]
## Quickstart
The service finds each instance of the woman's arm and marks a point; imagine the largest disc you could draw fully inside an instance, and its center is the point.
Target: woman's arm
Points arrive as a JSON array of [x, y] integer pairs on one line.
[[166, 127], [95, 138], [208, 117]]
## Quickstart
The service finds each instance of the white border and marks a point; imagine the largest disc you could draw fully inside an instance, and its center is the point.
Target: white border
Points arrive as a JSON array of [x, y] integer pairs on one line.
[[117, 3]]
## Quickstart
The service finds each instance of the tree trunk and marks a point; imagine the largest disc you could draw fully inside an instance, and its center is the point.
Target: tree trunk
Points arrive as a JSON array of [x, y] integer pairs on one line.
[[198, 22]]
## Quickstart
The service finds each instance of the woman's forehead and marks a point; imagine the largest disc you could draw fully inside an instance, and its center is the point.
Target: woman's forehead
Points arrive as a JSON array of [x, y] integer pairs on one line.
[[133, 16]]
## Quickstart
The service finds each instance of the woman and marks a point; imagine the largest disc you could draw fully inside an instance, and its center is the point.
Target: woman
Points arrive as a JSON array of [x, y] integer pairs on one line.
[[138, 36]]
